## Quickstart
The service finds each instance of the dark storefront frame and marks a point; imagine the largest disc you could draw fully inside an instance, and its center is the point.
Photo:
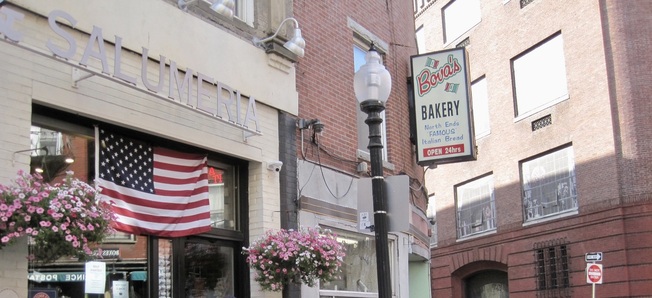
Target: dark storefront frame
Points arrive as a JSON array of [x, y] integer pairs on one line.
[[235, 239]]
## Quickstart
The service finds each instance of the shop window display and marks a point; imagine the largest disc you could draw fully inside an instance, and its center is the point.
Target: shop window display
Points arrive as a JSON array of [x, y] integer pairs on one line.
[[205, 263]]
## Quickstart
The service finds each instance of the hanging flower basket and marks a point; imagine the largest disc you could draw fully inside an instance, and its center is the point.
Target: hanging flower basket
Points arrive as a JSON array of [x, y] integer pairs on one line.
[[289, 256], [60, 220]]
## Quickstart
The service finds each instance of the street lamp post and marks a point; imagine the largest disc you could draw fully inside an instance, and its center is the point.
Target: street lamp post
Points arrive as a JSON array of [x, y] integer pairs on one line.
[[372, 84]]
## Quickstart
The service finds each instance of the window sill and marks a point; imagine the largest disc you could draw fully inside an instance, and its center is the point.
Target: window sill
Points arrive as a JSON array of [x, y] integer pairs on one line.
[[551, 217], [363, 155], [335, 293], [541, 108], [482, 135], [478, 235]]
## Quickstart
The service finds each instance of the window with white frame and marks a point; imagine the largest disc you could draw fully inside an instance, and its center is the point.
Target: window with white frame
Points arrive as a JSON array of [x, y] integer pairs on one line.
[[480, 107], [244, 10], [549, 185], [539, 77], [421, 40], [458, 17], [476, 207], [359, 52]]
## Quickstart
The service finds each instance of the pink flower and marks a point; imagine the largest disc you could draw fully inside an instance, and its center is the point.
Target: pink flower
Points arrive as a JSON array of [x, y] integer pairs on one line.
[[28, 198]]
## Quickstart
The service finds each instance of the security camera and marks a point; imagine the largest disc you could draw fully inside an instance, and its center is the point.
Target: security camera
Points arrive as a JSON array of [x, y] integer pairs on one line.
[[275, 165]]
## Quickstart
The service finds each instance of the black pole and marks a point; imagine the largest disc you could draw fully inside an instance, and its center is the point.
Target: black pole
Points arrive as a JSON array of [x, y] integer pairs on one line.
[[373, 108]]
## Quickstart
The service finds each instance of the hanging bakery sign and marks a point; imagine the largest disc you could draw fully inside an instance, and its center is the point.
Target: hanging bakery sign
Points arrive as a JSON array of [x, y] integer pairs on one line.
[[442, 115]]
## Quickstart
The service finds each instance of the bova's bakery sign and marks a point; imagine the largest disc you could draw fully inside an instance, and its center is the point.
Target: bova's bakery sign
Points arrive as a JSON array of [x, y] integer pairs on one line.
[[186, 88], [442, 107]]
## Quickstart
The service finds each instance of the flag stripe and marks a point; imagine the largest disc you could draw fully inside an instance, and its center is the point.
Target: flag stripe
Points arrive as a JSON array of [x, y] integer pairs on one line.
[[134, 199], [160, 231], [181, 193], [159, 219], [154, 191], [179, 171], [166, 180]]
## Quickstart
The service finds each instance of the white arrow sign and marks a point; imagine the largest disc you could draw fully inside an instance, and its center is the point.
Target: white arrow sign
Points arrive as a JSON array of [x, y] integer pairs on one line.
[[593, 257]]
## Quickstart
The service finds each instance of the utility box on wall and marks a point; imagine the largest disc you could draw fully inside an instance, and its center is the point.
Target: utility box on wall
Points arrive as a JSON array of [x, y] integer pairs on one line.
[[399, 208]]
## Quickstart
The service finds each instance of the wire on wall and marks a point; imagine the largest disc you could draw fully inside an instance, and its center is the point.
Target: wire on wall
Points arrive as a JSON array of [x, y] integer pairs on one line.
[[315, 128], [326, 183]]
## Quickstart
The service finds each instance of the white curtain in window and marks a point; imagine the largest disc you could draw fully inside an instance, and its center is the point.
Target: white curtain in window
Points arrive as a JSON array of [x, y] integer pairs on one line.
[[459, 17], [540, 76], [480, 108]]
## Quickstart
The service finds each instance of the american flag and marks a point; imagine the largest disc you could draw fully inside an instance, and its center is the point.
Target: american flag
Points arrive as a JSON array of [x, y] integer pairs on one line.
[[153, 191]]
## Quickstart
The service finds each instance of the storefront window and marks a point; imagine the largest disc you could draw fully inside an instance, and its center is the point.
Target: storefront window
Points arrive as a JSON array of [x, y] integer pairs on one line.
[[222, 199], [208, 269], [359, 267], [55, 152], [141, 265]]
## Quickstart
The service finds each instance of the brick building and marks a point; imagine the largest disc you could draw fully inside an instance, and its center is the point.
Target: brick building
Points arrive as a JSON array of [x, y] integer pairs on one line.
[[326, 155], [178, 75], [560, 93]]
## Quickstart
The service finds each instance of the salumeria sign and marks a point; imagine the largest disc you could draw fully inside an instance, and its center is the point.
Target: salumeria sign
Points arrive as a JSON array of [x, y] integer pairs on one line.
[[223, 99], [442, 107]]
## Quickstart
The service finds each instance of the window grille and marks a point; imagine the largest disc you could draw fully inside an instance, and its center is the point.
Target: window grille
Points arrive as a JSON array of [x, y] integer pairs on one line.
[[464, 43], [552, 268], [541, 122], [525, 2]]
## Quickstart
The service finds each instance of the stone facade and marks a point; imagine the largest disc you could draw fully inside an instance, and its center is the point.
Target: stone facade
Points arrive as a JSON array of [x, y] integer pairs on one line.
[[31, 76]]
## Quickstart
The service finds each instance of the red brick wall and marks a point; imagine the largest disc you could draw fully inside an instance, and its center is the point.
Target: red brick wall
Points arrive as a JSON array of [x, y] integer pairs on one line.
[[607, 121], [621, 234], [325, 76], [628, 39]]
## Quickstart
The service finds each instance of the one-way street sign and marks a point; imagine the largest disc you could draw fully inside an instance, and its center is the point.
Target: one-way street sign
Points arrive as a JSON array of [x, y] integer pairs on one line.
[[593, 257]]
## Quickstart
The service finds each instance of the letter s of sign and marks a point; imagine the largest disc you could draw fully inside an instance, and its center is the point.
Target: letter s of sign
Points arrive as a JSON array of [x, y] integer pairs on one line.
[[52, 20]]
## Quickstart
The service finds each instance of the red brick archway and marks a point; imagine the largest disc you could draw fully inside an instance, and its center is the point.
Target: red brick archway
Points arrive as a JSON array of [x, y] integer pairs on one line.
[[458, 276]]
